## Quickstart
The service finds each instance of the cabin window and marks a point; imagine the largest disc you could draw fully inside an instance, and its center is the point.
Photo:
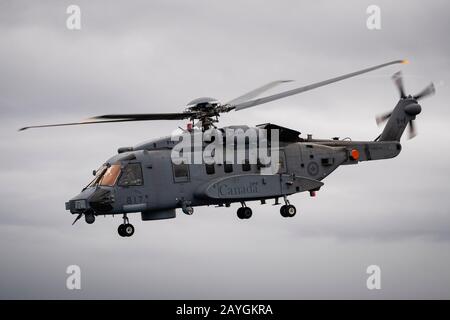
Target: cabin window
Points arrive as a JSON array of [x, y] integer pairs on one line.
[[131, 175], [210, 169], [181, 172], [228, 167]]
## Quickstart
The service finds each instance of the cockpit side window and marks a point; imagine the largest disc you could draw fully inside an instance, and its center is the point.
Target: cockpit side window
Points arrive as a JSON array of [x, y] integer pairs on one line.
[[131, 175]]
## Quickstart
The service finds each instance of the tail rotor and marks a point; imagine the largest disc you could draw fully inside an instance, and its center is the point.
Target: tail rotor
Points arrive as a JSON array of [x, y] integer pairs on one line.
[[406, 110]]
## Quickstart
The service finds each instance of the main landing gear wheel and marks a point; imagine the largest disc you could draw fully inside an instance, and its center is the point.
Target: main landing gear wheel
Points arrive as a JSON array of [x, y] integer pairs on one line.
[[244, 213], [288, 210]]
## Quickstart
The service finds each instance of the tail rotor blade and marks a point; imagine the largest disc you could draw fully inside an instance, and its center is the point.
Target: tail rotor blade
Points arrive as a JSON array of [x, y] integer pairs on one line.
[[412, 132], [429, 90], [398, 80], [382, 118]]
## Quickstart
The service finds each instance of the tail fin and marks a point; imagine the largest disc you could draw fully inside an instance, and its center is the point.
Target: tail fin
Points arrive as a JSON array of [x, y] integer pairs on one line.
[[403, 114]]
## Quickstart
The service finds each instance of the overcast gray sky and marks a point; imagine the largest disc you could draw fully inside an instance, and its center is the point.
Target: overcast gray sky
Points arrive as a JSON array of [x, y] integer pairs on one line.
[[155, 56]]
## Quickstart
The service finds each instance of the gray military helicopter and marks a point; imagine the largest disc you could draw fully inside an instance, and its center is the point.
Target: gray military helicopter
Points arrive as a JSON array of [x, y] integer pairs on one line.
[[144, 178]]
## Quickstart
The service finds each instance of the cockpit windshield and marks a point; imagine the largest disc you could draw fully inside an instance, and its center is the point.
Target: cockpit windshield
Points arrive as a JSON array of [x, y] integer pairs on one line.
[[98, 175], [109, 178], [130, 175]]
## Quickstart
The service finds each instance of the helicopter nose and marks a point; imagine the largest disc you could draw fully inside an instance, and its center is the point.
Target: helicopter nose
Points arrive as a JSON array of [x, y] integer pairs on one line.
[[99, 199], [80, 203], [102, 200], [77, 205]]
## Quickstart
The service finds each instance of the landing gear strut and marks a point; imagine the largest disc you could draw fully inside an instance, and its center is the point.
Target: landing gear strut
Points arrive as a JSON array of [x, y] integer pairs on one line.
[[287, 210], [244, 212], [126, 229]]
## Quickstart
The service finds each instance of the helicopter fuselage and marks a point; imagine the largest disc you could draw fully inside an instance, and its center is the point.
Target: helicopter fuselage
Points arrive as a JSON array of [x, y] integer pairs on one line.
[[144, 178]]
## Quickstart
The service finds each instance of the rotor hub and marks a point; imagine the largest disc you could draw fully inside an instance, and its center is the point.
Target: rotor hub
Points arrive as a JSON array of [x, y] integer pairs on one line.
[[413, 109]]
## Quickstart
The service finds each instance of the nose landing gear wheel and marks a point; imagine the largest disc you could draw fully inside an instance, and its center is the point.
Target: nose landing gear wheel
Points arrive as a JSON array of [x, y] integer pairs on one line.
[[126, 230], [120, 230]]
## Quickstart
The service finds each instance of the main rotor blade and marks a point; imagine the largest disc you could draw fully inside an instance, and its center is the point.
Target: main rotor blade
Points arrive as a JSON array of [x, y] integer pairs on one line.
[[429, 90], [108, 118], [398, 80], [256, 92], [146, 116], [284, 94]]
